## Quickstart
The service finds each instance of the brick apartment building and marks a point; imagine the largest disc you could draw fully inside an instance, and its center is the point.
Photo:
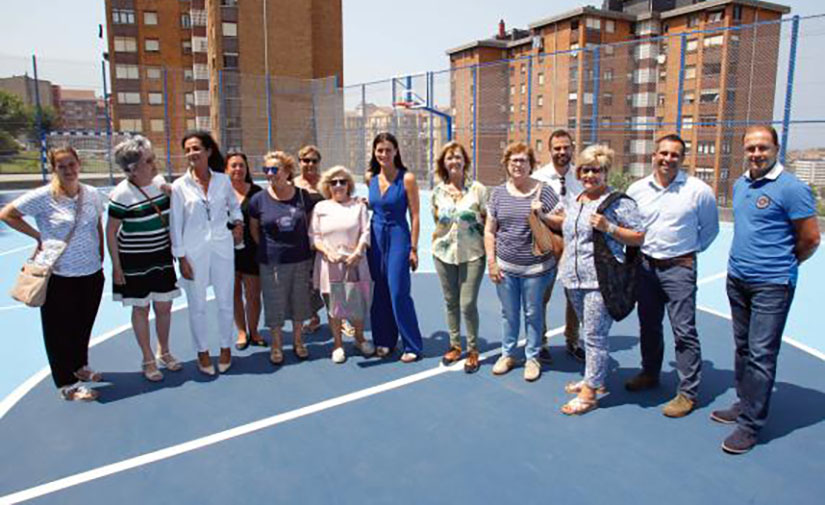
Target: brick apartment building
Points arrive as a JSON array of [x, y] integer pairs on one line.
[[612, 74], [184, 64], [81, 110]]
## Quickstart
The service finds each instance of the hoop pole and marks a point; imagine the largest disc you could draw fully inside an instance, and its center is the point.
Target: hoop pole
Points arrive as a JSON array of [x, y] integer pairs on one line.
[[595, 116], [166, 122], [529, 96], [786, 120], [681, 91], [41, 135], [108, 122]]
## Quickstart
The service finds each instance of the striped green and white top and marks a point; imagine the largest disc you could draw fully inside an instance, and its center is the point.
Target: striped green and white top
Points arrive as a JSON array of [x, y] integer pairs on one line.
[[143, 237]]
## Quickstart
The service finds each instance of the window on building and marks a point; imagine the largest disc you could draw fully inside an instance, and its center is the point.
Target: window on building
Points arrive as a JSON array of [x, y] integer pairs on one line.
[[125, 45], [512, 90], [539, 123], [131, 125], [230, 60], [157, 125], [522, 107], [593, 23], [151, 45], [523, 89], [188, 74], [609, 50], [574, 73], [610, 26], [694, 20], [512, 108], [690, 72], [692, 45], [688, 147], [688, 97], [574, 25], [523, 69], [572, 97], [737, 12], [229, 29], [726, 146], [605, 122], [540, 101], [608, 75], [714, 41], [687, 122], [190, 123], [123, 16], [153, 73], [150, 18], [186, 46], [127, 71], [541, 78], [571, 123], [716, 16], [660, 99], [155, 98], [185, 21], [709, 96], [706, 147], [607, 98], [189, 100], [128, 98], [539, 146], [708, 121]]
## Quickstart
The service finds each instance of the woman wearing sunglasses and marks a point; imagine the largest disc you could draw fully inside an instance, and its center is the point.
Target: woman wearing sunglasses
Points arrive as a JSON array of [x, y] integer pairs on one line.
[[340, 232], [309, 162], [206, 223], [622, 225], [279, 222]]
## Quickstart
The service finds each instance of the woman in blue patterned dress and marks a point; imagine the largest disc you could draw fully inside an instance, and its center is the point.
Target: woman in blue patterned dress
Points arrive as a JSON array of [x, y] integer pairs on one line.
[[137, 235], [622, 225], [393, 193]]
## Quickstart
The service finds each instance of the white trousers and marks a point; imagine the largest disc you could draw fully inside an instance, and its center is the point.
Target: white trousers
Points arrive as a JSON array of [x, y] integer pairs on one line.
[[210, 268]]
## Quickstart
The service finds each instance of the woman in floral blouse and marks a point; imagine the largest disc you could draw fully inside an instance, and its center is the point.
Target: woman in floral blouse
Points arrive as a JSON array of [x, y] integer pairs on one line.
[[459, 210]]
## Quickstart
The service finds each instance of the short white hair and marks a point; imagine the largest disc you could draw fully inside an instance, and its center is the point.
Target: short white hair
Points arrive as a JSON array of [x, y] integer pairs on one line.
[[129, 152]]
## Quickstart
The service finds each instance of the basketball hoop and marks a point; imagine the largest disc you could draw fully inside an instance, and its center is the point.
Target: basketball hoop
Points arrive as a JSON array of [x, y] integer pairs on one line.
[[407, 104]]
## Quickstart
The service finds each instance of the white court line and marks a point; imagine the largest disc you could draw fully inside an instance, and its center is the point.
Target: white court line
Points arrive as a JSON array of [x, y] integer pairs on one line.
[[238, 431], [17, 249], [23, 306], [20, 391]]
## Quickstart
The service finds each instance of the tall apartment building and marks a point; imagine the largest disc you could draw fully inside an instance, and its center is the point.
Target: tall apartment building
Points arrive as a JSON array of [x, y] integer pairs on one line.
[[184, 64], [622, 75], [811, 171], [81, 110]]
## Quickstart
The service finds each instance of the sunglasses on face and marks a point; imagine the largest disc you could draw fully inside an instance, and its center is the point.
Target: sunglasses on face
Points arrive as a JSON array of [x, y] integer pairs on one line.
[[270, 170], [338, 182], [591, 170], [310, 160]]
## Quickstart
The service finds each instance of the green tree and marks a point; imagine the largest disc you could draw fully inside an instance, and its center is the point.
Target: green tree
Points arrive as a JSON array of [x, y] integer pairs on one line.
[[49, 121], [15, 117], [618, 179]]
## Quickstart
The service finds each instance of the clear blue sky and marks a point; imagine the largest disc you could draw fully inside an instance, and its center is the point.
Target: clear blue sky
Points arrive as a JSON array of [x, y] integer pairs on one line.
[[381, 38]]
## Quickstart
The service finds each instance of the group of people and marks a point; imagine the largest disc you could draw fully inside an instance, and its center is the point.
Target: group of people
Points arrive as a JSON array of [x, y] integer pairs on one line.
[[305, 241]]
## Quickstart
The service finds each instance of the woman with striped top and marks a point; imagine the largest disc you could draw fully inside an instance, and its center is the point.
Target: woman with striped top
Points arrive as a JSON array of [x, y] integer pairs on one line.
[[137, 235], [520, 277]]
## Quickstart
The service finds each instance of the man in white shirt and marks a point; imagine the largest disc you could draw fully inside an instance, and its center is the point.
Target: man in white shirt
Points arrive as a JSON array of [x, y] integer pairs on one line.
[[680, 218], [560, 175]]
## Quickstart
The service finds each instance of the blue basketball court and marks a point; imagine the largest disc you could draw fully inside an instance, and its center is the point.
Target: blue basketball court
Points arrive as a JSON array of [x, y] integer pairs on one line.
[[379, 431]]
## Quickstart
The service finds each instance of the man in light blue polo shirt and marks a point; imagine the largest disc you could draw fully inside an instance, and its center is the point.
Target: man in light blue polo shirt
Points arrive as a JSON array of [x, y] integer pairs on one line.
[[680, 218], [775, 229], [560, 175]]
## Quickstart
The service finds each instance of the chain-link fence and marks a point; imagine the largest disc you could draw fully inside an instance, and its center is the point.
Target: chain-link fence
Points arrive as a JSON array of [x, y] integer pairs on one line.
[[707, 85]]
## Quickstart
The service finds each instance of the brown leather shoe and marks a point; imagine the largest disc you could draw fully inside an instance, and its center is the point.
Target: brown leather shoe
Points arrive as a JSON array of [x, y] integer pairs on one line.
[[641, 381], [471, 363], [451, 356], [680, 406]]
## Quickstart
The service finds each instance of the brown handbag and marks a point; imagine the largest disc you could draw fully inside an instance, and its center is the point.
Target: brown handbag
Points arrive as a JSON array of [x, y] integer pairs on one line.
[[33, 279], [545, 240]]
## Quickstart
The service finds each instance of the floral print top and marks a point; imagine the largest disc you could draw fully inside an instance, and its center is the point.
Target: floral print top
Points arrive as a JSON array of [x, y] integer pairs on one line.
[[459, 223]]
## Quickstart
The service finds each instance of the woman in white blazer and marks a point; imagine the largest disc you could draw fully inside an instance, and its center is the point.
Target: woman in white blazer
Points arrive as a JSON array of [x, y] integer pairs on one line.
[[206, 223]]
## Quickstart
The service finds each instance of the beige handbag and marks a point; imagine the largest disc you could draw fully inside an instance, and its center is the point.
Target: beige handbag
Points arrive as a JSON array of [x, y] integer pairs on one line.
[[545, 240], [33, 279]]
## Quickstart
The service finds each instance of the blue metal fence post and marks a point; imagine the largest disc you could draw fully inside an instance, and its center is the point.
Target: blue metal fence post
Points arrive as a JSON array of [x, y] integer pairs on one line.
[[475, 120], [41, 135], [529, 96], [595, 116], [430, 106], [786, 118], [108, 123], [364, 124], [681, 91], [268, 113], [166, 123]]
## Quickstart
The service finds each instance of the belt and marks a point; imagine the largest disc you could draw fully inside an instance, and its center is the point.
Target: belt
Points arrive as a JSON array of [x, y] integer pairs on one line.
[[686, 260]]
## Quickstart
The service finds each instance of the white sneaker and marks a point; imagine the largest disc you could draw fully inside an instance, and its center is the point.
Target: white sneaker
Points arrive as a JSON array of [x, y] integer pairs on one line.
[[339, 356], [366, 348]]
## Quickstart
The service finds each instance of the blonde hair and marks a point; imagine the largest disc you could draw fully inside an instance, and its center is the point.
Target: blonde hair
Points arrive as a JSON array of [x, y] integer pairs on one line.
[[328, 175], [440, 167], [57, 188], [596, 155], [309, 149], [284, 160]]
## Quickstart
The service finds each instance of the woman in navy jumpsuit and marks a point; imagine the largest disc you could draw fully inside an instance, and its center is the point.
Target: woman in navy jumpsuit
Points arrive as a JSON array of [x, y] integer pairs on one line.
[[393, 192]]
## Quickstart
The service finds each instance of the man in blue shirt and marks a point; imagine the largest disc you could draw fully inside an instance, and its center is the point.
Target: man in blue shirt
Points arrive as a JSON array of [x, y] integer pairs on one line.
[[775, 229], [680, 220]]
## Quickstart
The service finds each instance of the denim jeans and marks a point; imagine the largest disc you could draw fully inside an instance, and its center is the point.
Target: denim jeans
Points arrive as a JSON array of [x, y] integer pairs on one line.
[[759, 312], [516, 293], [672, 288]]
